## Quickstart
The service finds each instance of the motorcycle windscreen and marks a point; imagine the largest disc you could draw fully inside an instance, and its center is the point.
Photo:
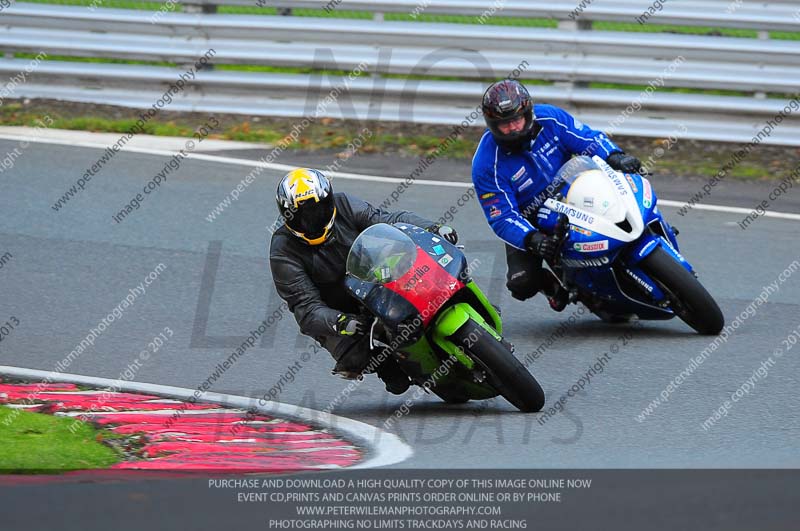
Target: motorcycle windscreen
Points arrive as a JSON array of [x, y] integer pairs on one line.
[[381, 254], [385, 255], [427, 285]]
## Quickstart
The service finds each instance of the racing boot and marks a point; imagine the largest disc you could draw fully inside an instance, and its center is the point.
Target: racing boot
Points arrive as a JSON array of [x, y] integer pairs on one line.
[[397, 382], [557, 295]]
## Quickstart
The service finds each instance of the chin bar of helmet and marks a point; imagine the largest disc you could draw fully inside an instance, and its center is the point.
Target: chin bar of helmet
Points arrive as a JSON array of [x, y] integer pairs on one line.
[[321, 239]]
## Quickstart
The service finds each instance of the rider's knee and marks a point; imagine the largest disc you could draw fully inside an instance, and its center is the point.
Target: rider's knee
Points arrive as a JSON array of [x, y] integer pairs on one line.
[[523, 285]]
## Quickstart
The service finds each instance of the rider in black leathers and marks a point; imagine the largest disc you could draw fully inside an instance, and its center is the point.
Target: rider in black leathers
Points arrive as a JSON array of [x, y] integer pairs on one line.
[[307, 259]]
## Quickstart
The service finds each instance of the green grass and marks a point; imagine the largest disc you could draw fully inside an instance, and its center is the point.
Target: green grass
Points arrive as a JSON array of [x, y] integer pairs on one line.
[[785, 35], [320, 135], [667, 28], [678, 90], [119, 4], [686, 159], [317, 136], [12, 114], [744, 171], [464, 19], [38, 443], [78, 59]]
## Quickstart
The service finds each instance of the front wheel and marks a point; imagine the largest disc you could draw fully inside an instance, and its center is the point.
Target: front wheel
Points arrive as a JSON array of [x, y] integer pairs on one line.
[[693, 304], [503, 370]]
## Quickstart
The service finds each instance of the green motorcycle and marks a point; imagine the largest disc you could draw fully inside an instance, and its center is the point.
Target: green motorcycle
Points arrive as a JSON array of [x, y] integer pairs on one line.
[[434, 319]]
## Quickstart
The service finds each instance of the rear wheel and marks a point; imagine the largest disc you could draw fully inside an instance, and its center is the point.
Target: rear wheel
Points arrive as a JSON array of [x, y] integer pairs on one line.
[[692, 303], [503, 370]]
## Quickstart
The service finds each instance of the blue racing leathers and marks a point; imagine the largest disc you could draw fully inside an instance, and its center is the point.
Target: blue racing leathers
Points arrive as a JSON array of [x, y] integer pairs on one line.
[[511, 185]]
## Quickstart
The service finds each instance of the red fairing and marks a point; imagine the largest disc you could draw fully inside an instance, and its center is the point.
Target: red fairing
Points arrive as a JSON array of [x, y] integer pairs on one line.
[[427, 285]]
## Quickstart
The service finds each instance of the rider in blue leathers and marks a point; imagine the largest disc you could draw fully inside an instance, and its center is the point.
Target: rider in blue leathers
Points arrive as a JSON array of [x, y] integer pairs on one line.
[[513, 171]]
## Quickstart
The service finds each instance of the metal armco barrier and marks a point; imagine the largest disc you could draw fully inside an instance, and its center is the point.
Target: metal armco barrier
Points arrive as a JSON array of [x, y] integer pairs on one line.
[[774, 15], [568, 58]]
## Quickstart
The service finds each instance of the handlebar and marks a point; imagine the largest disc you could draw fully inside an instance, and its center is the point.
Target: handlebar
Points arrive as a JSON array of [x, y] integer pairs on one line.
[[560, 235], [561, 229]]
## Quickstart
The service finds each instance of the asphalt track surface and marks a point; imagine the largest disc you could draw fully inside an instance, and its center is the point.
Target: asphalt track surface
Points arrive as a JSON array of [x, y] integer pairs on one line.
[[72, 267]]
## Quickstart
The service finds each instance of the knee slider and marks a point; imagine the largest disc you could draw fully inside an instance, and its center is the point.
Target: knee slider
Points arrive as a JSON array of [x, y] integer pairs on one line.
[[522, 285]]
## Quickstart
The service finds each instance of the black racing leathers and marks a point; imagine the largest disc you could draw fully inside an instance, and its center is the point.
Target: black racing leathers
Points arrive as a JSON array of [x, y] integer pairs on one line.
[[311, 278]]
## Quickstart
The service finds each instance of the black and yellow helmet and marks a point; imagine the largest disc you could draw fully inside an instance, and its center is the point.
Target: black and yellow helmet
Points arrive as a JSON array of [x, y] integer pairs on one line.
[[305, 202]]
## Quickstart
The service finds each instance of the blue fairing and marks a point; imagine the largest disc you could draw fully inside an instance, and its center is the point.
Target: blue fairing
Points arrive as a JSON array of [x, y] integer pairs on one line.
[[609, 268], [653, 219]]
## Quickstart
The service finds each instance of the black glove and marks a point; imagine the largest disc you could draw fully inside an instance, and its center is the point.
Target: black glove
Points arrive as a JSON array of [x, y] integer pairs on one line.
[[623, 162], [542, 245], [445, 231], [350, 325]]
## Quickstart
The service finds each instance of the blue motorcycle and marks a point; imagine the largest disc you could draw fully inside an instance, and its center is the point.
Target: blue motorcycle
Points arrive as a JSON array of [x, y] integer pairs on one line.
[[619, 256]]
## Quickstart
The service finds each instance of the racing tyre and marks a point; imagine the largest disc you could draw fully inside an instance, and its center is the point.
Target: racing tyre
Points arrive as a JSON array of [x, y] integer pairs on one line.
[[694, 305], [503, 370]]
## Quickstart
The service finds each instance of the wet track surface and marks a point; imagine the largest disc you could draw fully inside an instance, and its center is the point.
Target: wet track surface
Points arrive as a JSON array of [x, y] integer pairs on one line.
[[70, 269]]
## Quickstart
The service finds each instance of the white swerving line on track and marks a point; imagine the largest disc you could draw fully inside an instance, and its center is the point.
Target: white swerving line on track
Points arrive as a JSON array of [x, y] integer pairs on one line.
[[734, 210], [65, 140]]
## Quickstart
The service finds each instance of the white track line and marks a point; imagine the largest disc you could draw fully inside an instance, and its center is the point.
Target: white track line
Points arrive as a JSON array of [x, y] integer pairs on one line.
[[384, 448], [353, 176], [734, 210]]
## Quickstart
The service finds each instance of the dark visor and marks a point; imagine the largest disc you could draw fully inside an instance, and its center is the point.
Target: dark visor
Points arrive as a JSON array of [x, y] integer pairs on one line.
[[312, 217]]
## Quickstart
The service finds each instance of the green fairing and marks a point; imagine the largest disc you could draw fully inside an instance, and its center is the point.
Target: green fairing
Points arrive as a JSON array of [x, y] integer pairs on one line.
[[451, 320], [446, 324], [498, 325], [422, 353], [454, 381]]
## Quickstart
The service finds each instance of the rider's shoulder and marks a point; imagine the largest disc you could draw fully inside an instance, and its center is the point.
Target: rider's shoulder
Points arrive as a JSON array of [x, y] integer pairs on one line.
[[348, 204], [280, 242], [486, 148], [341, 198], [545, 110]]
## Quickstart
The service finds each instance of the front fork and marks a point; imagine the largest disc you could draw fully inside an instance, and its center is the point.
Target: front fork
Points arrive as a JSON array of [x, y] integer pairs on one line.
[[629, 265], [643, 248]]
